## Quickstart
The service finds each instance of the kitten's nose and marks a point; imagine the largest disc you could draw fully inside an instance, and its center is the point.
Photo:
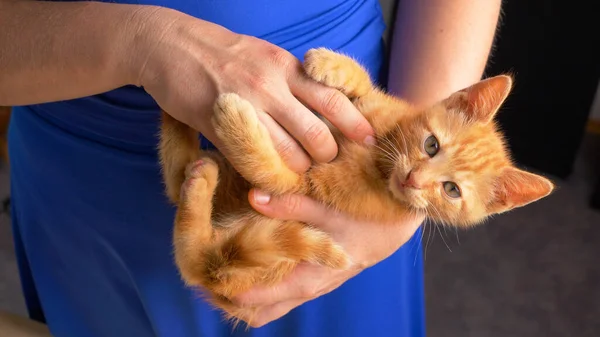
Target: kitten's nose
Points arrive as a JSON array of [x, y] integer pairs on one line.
[[411, 181]]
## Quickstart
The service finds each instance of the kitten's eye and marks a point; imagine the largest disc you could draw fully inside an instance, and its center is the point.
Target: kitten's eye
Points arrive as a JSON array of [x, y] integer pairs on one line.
[[432, 146], [451, 189]]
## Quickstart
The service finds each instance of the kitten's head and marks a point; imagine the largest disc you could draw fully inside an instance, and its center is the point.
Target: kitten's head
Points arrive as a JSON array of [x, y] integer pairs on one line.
[[451, 162]]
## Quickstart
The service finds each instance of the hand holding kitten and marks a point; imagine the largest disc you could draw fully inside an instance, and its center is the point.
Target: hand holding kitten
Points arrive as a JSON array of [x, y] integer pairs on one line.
[[210, 60], [366, 243], [250, 253]]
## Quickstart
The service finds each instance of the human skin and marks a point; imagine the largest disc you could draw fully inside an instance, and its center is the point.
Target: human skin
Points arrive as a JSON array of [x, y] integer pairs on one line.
[[438, 47], [71, 50], [65, 50]]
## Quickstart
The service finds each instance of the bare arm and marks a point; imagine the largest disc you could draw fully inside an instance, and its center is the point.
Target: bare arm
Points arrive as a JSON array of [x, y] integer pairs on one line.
[[440, 46], [55, 51], [62, 50]]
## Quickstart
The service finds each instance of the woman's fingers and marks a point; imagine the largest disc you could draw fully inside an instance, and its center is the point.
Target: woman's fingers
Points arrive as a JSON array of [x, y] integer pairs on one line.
[[309, 281], [334, 106], [308, 129], [287, 147], [306, 282], [275, 311], [303, 284], [291, 207]]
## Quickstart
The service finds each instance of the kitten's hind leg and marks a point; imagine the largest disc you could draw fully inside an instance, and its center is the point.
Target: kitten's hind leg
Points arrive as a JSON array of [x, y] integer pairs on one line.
[[338, 71], [249, 146], [178, 147], [193, 230], [229, 255], [257, 250]]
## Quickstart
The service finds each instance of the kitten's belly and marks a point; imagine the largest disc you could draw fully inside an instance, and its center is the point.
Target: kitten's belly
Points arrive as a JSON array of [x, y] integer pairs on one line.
[[352, 184], [231, 195]]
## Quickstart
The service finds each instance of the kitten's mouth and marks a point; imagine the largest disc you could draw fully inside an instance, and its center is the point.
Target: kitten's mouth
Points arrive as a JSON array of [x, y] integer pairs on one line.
[[402, 185], [399, 185], [405, 193], [397, 188]]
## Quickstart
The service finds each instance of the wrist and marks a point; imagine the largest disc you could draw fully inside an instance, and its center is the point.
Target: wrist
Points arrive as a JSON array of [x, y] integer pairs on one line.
[[144, 29], [160, 37]]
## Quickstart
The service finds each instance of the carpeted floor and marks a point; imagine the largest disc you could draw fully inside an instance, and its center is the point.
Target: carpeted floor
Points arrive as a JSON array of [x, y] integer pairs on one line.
[[532, 272]]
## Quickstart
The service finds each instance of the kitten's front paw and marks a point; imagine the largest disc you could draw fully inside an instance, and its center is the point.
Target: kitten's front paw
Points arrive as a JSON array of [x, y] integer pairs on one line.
[[234, 116], [338, 71], [249, 147]]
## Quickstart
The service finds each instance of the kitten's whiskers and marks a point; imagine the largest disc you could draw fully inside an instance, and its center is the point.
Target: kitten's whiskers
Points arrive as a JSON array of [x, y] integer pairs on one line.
[[392, 157], [420, 243], [390, 148], [429, 236], [404, 143], [444, 240]]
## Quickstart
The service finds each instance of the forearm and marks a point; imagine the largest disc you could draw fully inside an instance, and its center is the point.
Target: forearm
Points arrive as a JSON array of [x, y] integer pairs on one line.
[[63, 50], [440, 46]]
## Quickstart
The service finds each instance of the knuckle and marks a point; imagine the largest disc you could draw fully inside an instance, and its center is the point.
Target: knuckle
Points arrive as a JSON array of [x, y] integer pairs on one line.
[[303, 165], [226, 67], [279, 57], [242, 301], [321, 292], [362, 127], [359, 266], [259, 83], [309, 291], [293, 204], [257, 323], [286, 148], [333, 102], [317, 133]]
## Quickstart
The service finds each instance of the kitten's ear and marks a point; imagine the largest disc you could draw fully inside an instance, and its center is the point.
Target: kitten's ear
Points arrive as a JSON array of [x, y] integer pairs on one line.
[[515, 188], [482, 100]]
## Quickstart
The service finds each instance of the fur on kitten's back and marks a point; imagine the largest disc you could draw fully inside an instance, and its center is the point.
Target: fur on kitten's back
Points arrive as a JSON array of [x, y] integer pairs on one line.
[[448, 161]]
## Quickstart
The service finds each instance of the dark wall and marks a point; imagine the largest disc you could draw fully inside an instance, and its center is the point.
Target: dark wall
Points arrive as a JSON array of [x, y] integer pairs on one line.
[[553, 49]]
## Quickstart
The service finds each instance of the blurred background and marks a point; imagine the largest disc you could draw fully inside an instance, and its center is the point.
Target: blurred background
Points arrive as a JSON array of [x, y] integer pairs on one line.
[[536, 270]]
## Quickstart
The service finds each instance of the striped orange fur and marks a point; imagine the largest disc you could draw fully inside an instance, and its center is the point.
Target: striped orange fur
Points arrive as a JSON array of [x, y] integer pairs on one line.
[[224, 247]]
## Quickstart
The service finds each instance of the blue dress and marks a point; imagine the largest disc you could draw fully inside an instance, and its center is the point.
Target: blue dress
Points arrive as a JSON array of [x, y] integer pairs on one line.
[[92, 226]]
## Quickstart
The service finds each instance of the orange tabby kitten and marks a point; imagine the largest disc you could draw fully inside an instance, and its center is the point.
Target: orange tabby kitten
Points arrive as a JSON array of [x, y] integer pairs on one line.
[[447, 161]]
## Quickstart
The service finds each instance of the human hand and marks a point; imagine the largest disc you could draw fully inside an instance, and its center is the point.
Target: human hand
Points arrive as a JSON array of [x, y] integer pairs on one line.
[[188, 62], [366, 243]]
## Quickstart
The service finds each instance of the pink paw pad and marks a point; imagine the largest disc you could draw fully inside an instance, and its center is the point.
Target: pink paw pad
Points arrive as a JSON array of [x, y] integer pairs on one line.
[[197, 164], [191, 174], [193, 169]]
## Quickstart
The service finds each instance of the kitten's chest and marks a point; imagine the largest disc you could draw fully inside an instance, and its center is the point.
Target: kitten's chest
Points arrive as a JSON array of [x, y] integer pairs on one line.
[[352, 183]]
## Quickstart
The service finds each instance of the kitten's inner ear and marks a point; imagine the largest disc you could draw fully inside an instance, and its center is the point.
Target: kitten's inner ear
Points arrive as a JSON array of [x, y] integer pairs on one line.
[[517, 188], [481, 100]]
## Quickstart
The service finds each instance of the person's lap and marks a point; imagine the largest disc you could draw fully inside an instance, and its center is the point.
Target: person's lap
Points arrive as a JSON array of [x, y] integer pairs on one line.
[[97, 241]]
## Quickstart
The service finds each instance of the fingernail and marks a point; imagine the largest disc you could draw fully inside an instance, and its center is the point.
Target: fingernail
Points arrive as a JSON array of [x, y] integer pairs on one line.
[[369, 140], [261, 197]]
